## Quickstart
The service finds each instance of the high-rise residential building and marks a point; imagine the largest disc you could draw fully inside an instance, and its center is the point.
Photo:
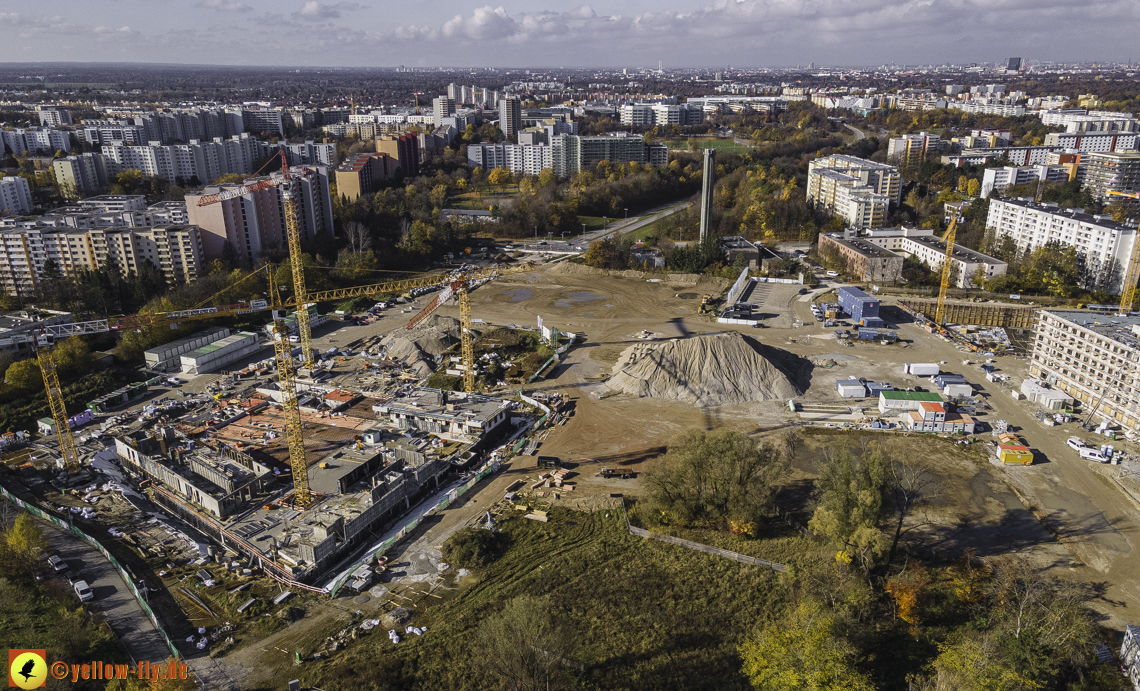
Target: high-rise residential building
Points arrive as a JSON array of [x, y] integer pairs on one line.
[[636, 114], [255, 221], [913, 147], [998, 179], [80, 175], [311, 154], [176, 251], [110, 134], [1105, 244], [404, 148], [879, 177], [1093, 142], [520, 159], [1112, 172], [363, 173], [442, 107], [660, 114], [42, 141], [264, 119], [510, 117], [53, 116], [1096, 361], [572, 154], [15, 195], [203, 161], [453, 92]]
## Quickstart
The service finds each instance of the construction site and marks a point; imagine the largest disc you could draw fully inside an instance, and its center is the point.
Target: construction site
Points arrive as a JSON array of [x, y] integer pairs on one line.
[[318, 465]]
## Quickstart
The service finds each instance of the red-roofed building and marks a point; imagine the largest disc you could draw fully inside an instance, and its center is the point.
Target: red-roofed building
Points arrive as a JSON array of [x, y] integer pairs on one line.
[[924, 421]]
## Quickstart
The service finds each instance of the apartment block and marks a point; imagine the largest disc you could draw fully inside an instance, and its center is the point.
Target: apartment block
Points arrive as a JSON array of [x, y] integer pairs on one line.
[[998, 179], [264, 119], [1092, 358], [913, 147], [1101, 240], [510, 117], [572, 154], [404, 149], [921, 243], [53, 116], [203, 161], [256, 220], [1081, 120], [43, 141], [846, 196], [15, 195], [863, 259], [442, 107], [880, 178], [1112, 172], [1092, 142], [1013, 155], [174, 250], [80, 175], [311, 154], [363, 173], [520, 159], [110, 134]]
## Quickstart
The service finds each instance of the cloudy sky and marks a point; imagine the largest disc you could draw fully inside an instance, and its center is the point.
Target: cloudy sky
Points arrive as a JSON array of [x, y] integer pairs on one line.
[[621, 33]]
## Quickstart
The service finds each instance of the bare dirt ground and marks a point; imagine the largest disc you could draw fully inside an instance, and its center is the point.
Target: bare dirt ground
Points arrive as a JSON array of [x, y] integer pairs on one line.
[[1062, 512]]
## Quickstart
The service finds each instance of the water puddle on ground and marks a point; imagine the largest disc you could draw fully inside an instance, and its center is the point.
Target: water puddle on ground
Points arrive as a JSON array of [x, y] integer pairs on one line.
[[518, 294], [581, 296]]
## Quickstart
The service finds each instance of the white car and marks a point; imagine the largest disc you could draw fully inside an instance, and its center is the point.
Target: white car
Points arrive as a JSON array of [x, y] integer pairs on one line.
[[57, 564], [83, 591], [1076, 444], [832, 274], [294, 339]]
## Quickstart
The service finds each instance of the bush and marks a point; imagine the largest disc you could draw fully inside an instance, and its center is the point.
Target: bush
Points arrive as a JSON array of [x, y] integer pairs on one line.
[[474, 548]]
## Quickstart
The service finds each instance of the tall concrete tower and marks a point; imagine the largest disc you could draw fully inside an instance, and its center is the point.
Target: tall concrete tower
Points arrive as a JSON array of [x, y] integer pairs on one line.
[[708, 180]]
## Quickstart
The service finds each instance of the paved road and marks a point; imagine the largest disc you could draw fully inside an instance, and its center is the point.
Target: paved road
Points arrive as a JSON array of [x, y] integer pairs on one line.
[[112, 596], [124, 614], [859, 134], [622, 226]]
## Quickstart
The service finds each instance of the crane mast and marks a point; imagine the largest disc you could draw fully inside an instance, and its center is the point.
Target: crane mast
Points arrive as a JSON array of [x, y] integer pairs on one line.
[[287, 383], [67, 449], [948, 238]]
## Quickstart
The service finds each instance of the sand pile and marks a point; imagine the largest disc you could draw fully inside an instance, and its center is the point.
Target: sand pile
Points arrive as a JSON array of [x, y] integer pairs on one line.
[[707, 371], [417, 348], [577, 269]]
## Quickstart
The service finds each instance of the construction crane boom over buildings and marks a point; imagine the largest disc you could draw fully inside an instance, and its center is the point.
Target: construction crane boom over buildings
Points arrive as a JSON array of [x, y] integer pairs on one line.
[[290, 407], [67, 450]]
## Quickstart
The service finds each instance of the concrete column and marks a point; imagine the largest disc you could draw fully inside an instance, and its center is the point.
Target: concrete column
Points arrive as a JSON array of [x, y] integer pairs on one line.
[[708, 181]]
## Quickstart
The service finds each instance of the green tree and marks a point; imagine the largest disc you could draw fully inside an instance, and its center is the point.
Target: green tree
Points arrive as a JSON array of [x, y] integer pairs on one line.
[[805, 650], [72, 358], [715, 477], [25, 376], [523, 647], [499, 176], [852, 502]]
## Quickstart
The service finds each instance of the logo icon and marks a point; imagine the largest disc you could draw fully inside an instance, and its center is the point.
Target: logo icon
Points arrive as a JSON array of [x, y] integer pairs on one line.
[[27, 669]]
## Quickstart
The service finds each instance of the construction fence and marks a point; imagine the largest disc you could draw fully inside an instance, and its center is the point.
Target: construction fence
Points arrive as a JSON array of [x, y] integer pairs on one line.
[[123, 573], [487, 469]]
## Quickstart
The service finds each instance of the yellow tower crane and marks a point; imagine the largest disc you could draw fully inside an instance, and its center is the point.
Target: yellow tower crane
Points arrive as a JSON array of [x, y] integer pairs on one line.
[[67, 450], [287, 383], [948, 238], [288, 185], [1132, 271], [459, 289]]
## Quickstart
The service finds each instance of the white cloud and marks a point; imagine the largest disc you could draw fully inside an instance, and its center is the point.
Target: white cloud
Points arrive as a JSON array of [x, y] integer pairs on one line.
[[224, 5], [316, 11], [484, 24]]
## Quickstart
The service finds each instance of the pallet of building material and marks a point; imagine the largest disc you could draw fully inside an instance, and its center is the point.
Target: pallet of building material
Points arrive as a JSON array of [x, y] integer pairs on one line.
[[282, 596], [246, 605]]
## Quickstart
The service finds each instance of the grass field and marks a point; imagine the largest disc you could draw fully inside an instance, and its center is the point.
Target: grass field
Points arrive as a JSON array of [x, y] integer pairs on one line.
[[645, 615]]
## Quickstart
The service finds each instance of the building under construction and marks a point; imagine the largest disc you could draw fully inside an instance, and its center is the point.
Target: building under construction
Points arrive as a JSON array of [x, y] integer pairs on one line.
[[1093, 358], [235, 484]]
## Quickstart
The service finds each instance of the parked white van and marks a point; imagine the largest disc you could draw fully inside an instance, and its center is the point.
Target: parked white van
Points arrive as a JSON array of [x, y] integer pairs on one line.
[[1090, 454]]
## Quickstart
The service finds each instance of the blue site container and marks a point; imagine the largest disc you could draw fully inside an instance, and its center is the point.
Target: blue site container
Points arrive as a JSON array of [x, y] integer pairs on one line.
[[868, 334]]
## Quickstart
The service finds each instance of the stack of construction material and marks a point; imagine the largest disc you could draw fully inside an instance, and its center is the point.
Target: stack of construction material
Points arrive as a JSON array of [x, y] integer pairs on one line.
[[1039, 392]]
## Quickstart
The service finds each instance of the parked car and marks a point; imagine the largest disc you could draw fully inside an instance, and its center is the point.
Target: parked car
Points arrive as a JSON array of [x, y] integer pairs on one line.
[[294, 339], [1075, 443], [83, 591], [832, 274], [57, 563]]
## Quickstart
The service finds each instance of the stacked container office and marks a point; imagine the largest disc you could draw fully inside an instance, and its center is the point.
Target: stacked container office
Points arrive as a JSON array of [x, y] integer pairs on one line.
[[219, 353], [858, 304]]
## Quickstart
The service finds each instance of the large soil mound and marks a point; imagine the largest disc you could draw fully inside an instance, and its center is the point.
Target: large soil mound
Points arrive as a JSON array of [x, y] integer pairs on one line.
[[419, 347], [707, 371]]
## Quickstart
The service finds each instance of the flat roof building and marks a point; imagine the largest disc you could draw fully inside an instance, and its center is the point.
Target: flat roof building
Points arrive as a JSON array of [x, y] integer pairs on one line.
[[862, 259], [1094, 358]]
